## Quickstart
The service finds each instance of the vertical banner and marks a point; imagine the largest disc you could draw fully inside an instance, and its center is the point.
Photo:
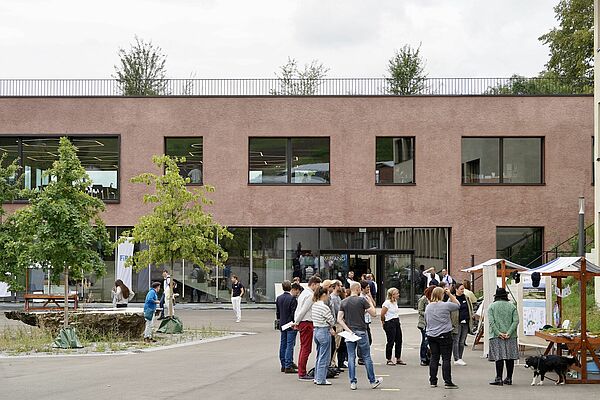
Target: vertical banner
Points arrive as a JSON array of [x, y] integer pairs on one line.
[[124, 251]]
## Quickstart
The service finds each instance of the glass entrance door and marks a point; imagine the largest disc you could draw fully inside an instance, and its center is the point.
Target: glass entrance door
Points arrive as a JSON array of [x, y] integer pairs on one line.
[[398, 271]]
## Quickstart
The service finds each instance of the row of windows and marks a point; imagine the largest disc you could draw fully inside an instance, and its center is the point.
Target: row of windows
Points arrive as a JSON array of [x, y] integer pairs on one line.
[[281, 161]]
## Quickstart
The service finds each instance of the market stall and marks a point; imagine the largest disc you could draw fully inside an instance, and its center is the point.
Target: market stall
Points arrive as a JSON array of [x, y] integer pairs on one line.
[[504, 268], [577, 341]]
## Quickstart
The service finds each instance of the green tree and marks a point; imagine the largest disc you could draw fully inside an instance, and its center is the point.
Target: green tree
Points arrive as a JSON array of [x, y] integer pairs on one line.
[[545, 83], [61, 229], [178, 227], [141, 70], [300, 82], [406, 72], [572, 44], [9, 190]]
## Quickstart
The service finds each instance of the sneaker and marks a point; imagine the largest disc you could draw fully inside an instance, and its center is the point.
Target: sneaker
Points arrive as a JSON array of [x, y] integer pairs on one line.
[[353, 386], [291, 371], [460, 362], [282, 369], [433, 385], [377, 382], [507, 381], [450, 386], [345, 364], [238, 320], [497, 382], [305, 378], [326, 383], [424, 364]]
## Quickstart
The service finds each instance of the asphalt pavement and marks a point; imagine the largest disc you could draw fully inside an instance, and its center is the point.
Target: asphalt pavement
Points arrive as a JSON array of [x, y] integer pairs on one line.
[[247, 368]]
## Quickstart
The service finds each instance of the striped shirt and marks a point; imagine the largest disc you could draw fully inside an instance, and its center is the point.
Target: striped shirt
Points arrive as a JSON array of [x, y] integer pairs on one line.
[[321, 315]]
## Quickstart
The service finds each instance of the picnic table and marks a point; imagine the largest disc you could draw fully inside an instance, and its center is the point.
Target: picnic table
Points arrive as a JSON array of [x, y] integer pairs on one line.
[[51, 301]]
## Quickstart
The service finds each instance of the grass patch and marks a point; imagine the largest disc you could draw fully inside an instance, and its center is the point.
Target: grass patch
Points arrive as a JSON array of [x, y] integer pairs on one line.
[[571, 306], [32, 340]]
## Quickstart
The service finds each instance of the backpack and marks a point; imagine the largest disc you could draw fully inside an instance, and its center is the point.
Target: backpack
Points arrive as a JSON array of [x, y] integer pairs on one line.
[[332, 372]]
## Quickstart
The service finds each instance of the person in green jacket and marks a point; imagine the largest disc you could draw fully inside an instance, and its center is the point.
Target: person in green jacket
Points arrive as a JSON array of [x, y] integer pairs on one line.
[[504, 320]]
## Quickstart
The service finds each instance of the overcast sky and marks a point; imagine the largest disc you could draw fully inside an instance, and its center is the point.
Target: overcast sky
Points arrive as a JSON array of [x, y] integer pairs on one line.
[[243, 38]]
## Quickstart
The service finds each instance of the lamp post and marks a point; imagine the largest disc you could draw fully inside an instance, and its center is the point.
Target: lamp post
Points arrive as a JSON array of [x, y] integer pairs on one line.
[[581, 249]]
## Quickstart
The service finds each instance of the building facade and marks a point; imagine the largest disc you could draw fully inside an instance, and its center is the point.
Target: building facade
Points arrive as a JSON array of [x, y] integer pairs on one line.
[[378, 184]]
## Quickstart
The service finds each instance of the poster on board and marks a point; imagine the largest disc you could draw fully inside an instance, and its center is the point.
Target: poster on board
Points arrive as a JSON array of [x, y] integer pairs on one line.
[[534, 315]]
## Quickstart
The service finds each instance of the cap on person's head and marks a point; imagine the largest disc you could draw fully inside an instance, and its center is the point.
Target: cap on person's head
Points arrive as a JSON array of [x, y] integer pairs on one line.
[[433, 282]]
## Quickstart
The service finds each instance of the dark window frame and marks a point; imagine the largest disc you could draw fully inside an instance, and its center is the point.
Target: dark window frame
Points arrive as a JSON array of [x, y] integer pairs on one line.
[[541, 227], [70, 136], [501, 161], [288, 156], [165, 138], [414, 177]]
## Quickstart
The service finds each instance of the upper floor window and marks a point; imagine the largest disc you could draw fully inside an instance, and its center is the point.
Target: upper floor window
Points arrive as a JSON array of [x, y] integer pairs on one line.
[[99, 155], [303, 160], [504, 160], [191, 149], [395, 160]]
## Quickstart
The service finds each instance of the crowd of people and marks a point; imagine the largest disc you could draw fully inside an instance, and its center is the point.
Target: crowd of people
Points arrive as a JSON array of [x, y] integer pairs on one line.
[[338, 316]]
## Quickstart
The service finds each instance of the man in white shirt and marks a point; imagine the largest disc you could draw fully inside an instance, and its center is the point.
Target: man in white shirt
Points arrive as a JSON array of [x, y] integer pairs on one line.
[[428, 274], [447, 279], [303, 322]]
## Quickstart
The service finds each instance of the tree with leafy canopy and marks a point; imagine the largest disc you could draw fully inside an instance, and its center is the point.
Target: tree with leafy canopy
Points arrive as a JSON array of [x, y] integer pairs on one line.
[[9, 190], [300, 82], [406, 72], [142, 71], [545, 83], [572, 44], [61, 228], [178, 226]]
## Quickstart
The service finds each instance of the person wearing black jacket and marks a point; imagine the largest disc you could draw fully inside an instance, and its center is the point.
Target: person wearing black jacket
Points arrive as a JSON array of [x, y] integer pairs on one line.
[[286, 304]]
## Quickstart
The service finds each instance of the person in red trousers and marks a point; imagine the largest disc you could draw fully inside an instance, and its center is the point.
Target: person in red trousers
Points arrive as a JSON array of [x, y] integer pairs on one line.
[[303, 322]]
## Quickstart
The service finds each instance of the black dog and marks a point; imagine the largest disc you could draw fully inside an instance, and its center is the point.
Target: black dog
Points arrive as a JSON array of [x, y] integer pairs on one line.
[[544, 364]]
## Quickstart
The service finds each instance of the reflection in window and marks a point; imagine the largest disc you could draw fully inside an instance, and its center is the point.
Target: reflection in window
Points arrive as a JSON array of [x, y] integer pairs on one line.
[[521, 245], [289, 160], [10, 147], [100, 158], [98, 155], [310, 160], [480, 160], [395, 160], [502, 160], [268, 160], [190, 148]]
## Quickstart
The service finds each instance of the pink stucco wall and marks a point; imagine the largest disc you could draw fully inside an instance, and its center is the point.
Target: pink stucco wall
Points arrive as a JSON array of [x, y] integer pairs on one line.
[[437, 200]]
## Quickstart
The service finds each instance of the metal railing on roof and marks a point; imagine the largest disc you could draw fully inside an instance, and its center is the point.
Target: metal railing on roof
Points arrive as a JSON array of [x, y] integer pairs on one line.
[[294, 87]]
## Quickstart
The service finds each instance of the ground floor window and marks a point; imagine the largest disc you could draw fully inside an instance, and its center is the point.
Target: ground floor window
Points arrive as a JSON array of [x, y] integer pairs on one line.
[[522, 245]]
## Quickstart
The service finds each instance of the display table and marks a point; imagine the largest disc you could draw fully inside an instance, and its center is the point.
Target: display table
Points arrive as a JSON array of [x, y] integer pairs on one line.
[[573, 345]]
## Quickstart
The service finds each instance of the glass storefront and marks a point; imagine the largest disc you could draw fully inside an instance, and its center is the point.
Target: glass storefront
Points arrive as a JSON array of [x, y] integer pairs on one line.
[[263, 257]]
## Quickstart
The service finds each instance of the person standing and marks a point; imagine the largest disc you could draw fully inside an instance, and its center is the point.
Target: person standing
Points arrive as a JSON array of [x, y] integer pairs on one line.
[[352, 319], [439, 335], [372, 286], [350, 280], [166, 294], [446, 278], [504, 319], [303, 321], [323, 323], [464, 325], [430, 275], [285, 307], [237, 292], [149, 309], [365, 291], [470, 295], [421, 305], [338, 346], [121, 295], [390, 318]]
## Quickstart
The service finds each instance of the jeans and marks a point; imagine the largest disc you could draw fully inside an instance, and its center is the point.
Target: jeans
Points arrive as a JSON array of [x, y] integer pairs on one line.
[[148, 329], [424, 352], [370, 340], [306, 337], [323, 342], [393, 333], [440, 345], [286, 347], [459, 340], [365, 350], [236, 303]]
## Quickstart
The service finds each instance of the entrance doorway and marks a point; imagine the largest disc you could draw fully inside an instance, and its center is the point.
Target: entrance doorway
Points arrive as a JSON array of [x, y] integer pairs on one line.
[[390, 268]]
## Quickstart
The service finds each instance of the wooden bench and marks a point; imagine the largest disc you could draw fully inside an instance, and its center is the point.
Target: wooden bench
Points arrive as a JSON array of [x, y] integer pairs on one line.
[[51, 301]]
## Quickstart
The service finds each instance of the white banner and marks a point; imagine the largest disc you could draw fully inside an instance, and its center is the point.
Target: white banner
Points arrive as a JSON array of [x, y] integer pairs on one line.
[[124, 251], [4, 290]]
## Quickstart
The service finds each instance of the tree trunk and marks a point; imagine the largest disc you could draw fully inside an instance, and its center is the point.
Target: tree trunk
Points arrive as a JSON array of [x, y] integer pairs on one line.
[[66, 318]]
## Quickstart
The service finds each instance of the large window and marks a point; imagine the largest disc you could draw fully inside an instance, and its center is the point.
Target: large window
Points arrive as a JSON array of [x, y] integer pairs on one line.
[[288, 160], [510, 161], [395, 160], [190, 148], [99, 155], [523, 245]]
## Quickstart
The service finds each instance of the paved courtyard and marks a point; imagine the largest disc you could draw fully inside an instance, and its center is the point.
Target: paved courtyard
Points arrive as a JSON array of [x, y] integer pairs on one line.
[[248, 368]]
